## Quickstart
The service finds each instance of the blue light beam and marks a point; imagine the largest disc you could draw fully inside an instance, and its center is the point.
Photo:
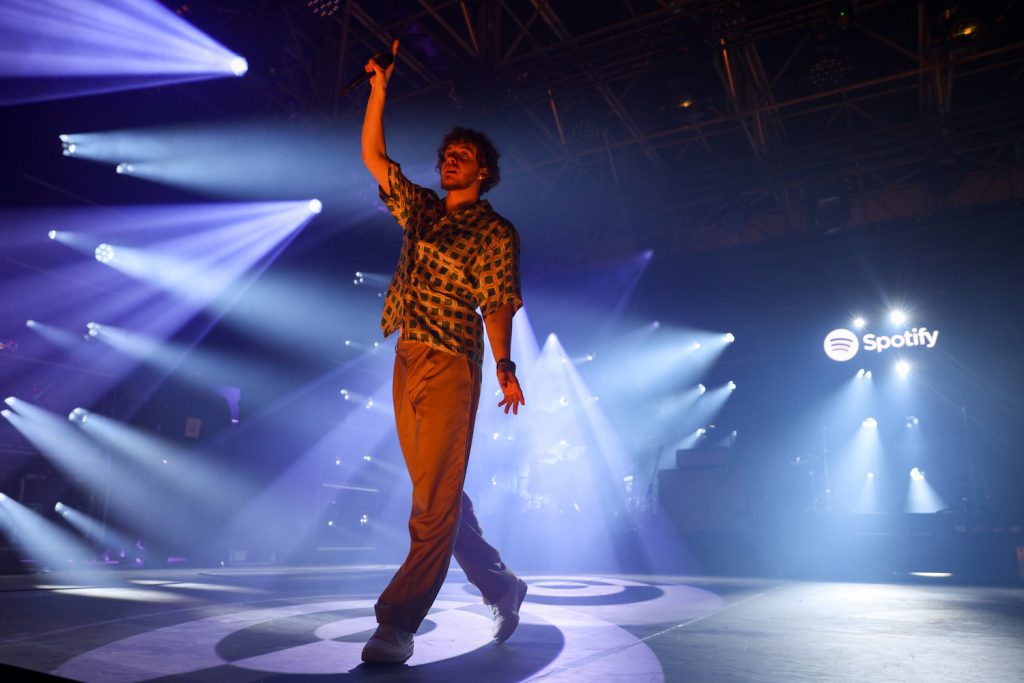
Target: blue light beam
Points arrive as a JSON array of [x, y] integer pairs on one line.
[[52, 49]]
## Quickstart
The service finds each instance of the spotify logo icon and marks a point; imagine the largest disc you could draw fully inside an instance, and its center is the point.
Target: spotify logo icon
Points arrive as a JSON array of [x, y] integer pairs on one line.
[[841, 345]]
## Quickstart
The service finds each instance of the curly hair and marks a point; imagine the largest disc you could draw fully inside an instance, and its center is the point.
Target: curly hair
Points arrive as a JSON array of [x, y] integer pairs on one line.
[[486, 153]]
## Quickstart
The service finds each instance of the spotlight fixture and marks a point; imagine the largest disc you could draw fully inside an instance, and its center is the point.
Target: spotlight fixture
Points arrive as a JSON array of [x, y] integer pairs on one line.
[[701, 389], [695, 345], [897, 316], [870, 423], [78, 415], [859, 322], [733, 216], [871, 475], [123, 168], [729, 338], [867, 375], [93, 329], [731, 385], [323, 8], [9, 400], [860, 373], [4, 414], [828, 67], [52, 234], [315, 206], [239, 66], [69, 148], [916, 474], [828, 201], [30, 323], [902, 368], [104, 253]]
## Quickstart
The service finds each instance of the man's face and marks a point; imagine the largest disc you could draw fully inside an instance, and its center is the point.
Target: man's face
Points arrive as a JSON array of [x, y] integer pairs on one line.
[[460, 168]]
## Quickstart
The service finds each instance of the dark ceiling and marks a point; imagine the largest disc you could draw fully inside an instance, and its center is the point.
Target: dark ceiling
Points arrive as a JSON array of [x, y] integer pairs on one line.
[[721, 122], [743, 121]]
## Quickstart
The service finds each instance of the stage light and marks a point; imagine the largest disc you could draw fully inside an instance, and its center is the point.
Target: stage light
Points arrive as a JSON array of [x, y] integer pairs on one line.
[[916, 474], [902, 368], [124, 168], [69, 149], [912, 422], [5, 413], [315, 206], [337, 461], [870, 423], [860, 373], [859, 322], [63, 137], [867, 375], [104, 253], [9, 400], [729, 338], [871, 475], [344, 394], [897, 317], [78, 415], [30, 323], [364, 520], [369, 404], [695, 346], [52, 234], [367, 458], [59, 507], [701, 389], [93, 329], [701, 431], [656, 324], [239, 66], [731, 385]]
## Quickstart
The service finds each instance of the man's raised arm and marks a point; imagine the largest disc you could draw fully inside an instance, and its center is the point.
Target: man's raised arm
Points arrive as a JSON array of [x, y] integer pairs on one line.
[[374, 152]]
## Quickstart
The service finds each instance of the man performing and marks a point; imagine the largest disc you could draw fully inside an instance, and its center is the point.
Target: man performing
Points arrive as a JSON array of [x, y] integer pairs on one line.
[[457, 255]]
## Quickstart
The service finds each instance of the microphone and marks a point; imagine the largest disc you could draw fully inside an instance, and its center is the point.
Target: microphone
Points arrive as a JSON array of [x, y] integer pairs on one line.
[[383, 60]]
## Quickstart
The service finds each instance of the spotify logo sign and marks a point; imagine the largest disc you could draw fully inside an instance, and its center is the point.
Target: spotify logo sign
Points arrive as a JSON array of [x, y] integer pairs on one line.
[[841, 345]]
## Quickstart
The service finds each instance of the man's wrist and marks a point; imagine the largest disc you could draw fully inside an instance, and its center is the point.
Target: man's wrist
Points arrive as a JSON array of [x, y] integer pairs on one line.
[[507, 364]]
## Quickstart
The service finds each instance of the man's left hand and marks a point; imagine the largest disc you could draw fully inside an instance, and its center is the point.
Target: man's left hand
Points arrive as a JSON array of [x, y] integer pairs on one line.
[[511, 391]]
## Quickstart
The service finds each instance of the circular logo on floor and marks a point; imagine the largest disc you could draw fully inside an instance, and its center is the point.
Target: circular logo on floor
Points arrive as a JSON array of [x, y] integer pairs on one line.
[[328, 637]]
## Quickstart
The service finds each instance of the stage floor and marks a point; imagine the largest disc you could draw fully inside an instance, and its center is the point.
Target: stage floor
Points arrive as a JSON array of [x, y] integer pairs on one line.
[[277, 624]]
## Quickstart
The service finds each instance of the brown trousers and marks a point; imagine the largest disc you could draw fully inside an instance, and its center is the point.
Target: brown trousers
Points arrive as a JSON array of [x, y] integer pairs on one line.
[[436, 395]]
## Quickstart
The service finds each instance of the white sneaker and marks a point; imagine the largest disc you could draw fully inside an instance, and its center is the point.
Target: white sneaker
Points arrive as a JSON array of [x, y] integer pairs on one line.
[[506, 611], [388, 645]]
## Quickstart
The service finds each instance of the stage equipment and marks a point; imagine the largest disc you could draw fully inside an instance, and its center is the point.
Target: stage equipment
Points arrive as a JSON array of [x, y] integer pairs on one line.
[[707, 492]]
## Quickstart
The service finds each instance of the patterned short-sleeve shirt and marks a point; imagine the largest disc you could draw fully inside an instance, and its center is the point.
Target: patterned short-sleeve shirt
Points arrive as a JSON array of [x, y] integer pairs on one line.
[[451, 265]]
